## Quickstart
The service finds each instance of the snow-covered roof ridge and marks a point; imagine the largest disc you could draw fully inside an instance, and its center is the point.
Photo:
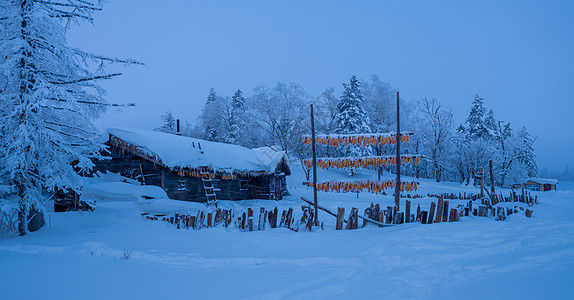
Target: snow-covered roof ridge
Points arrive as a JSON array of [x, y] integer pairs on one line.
[[175, 151], [543, 180]]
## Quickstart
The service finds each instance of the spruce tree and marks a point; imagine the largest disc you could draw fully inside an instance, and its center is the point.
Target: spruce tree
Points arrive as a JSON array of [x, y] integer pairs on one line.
[[211, 117], [475, 124], [351, 117]]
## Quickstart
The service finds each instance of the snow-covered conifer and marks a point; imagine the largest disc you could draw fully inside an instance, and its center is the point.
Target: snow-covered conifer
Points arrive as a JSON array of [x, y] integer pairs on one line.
[[48, 98], [351, 118]]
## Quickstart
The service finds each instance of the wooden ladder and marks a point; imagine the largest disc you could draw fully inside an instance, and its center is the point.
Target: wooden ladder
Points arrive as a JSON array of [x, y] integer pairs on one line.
[[206, 175]]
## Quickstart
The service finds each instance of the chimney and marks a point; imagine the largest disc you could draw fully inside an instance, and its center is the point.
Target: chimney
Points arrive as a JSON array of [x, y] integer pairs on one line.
[[177, 131]]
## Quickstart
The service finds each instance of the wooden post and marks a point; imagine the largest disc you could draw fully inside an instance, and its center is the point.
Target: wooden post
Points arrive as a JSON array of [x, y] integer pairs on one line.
[[250, 219], [273, 218], [439, 210], [481, 182], [431, 213], [408, 211], [289, 217], [445, 211], [424, 217], [482, 211], [340, 218], [262, 219], [314, 166], [398, 180], [491, 178]]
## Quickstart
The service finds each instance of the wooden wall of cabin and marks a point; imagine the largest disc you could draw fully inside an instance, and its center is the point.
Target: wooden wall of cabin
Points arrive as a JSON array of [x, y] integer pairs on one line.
[[185, 188]]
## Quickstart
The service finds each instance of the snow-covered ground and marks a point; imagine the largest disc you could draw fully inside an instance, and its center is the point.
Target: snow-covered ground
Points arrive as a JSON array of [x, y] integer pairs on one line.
[[114, 253]]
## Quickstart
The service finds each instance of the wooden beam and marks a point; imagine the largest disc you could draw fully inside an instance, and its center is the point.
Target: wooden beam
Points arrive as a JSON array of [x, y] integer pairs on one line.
[[398, 180], [314, 167]]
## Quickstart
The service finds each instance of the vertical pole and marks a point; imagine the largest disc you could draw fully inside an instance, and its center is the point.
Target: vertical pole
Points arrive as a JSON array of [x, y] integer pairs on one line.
[[398, 180], [314, 166], [178, 132], [491, 177], [481, 182]]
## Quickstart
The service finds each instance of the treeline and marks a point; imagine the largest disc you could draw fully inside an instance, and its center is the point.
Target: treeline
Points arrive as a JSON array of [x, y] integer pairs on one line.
[[278, 116]]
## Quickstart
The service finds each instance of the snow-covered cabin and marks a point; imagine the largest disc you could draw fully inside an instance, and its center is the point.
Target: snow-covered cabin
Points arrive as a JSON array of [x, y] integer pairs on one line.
[[539, 184], [180, 165]]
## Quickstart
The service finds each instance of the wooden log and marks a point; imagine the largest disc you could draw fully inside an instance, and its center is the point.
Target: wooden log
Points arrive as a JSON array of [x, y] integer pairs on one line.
[[311, 221], [250, 219], [376, 212], [192, 222], [445, 211], [482, 211], [431, 213], [340, 218], [304, 217], [418, 218], [439, 210], [283, 216], [366, 215], [408, 211], [243, 220], [528, 213], [209, 220], [289, 218], [381, 218], [352, 222], [322, 208], [261, 224], [424, 216], [273, 218], [452, 214], [389, 215]]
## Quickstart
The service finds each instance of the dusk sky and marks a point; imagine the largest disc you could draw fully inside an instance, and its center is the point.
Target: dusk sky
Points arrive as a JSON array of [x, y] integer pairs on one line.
[[518, 55]]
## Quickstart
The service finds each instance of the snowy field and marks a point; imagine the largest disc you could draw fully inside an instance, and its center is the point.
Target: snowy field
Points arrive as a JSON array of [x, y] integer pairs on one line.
[[114, 253]]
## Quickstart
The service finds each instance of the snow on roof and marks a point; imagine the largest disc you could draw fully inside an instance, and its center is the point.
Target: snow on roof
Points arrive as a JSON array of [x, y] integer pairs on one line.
[[177, 151], [544, 180]]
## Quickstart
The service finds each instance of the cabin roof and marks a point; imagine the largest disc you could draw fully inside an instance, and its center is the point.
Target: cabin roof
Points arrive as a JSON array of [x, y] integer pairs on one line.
[[543, 180], [175, 151]]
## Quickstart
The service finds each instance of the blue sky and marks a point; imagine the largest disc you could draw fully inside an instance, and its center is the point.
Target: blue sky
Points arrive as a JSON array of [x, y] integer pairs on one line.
[[518, 55]]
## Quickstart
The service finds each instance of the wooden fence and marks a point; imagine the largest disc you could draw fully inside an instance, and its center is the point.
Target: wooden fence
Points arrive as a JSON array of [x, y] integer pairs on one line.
[[439, 211]]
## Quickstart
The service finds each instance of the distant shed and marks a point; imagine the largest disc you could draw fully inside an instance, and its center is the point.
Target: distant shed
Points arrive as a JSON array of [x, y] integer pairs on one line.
[[196, 170], [539, 184]]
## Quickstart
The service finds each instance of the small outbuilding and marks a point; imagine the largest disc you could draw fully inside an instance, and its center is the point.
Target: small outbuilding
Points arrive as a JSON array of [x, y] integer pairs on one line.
[[539, 184], [196, 170]]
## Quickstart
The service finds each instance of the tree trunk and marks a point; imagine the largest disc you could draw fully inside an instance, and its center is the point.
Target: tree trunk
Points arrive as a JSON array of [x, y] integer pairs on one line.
[[22, 210]]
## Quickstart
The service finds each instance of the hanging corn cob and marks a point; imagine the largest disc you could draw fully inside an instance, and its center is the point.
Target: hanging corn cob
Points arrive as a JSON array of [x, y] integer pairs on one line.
[[370, 186], [363, 162], [373, 139]]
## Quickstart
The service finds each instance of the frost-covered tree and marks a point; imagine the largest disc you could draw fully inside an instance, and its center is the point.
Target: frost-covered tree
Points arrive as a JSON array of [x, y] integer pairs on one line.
[[325, 109], [168, 123], [48, 99], [436, 132], [380, 104], [278, 116], [526, 149]]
